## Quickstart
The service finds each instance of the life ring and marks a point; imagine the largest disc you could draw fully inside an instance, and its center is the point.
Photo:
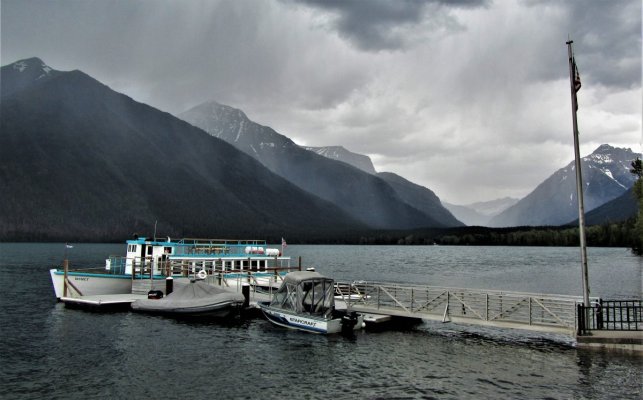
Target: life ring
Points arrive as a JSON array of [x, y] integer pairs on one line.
[[202, 274]]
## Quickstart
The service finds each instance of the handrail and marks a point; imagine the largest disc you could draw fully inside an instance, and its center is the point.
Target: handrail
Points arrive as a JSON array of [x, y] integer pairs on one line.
[[610, 315], [536, 311]]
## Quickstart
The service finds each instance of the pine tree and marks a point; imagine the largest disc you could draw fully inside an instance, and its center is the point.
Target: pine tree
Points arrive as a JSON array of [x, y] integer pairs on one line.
[[637, 240]]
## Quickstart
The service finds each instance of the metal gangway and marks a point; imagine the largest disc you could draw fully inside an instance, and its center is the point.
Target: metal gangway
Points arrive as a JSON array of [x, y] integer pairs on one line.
[[538, 312]]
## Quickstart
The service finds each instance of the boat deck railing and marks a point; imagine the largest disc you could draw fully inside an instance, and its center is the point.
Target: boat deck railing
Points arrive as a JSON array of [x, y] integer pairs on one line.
[[216, 242], [147, 267], [117, 268], [221, 247]]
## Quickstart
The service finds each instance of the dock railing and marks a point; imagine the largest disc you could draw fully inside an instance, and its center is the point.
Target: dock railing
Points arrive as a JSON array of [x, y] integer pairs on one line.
[[542, 312], [610, 315]]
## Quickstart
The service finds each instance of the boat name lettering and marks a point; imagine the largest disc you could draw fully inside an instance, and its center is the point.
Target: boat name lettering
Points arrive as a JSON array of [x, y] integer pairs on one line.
[[80, 279], [303, 321]]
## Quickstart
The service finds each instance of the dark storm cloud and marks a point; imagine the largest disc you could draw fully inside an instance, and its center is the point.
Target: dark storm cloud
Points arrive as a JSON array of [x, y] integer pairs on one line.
[[387, 25], [419, 86], [607, 39]]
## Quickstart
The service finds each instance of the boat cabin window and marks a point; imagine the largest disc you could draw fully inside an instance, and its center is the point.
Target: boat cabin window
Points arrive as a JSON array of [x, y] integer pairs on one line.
[[131, 248], [149, 250], [167, 250]]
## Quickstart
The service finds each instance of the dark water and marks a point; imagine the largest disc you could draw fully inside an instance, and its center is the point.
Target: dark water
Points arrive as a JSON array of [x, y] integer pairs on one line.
[[50, 352]]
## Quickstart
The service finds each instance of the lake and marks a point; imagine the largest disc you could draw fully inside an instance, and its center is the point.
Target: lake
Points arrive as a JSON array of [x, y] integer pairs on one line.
[[48, 351]]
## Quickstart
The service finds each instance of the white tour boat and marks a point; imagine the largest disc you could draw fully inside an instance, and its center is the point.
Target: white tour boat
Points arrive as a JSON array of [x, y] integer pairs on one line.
[[148, 262]]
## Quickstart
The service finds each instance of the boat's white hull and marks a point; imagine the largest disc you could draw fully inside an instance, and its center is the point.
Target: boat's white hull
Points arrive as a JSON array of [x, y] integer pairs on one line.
[[90, 284], [306, 323]]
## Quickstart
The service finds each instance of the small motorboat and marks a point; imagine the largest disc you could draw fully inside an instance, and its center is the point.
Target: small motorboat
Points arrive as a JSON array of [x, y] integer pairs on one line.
[[306, 301], [195, 299]]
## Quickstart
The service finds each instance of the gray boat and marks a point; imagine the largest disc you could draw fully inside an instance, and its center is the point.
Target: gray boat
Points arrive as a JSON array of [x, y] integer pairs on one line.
[[195, 299]]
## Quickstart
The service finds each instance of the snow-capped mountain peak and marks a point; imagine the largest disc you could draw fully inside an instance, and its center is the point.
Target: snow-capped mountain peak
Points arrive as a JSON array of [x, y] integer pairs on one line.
[[24, 73], [33, 65], [606, 176], [614, 162], [339, 153]]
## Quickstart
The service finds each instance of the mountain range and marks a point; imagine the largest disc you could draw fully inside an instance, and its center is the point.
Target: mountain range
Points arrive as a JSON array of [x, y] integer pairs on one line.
[[83, 162], [339, 153], [606, 176], [613, 162], [379, 202], [619, 209]]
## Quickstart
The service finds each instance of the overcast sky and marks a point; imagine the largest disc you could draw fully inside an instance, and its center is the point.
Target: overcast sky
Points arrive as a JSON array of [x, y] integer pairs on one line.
[[469, 98]]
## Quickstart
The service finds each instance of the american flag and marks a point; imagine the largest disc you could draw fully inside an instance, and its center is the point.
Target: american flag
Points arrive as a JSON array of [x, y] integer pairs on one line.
[[576, 80], [576, 76], [283, 243]]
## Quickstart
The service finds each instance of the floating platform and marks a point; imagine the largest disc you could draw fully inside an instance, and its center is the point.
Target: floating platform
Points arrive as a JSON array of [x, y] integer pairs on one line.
[[375, 318], [103, 301], [618, 341]]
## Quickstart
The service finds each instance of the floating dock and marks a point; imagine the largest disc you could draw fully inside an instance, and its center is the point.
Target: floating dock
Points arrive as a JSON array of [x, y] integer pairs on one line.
[[615, 325], [103, 301], [617, 341]]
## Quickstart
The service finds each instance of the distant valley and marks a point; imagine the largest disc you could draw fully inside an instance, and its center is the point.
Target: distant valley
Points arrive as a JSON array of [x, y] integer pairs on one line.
[[337, 176], [480, 213], [608, 188]]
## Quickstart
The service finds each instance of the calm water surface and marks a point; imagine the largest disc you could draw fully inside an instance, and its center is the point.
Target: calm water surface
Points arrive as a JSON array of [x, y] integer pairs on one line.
[[48, 351]]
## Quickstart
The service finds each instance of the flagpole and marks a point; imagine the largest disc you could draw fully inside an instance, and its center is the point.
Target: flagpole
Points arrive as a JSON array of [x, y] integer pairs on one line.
[[579, 177]]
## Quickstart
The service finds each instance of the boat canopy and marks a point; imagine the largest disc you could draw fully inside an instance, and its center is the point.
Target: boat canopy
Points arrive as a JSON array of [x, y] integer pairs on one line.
[[306, 292]]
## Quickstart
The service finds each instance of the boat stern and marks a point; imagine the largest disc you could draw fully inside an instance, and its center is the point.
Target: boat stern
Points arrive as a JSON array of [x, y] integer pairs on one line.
[[57, 283]]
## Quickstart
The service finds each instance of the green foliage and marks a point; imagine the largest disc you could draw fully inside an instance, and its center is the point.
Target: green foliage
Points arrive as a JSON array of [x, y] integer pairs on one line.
[[637, 234], [637, 245], [605, 235], [637, 168]]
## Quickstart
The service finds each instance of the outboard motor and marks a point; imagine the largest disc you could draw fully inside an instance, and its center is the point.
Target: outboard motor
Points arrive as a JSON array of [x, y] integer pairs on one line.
[[349, 320], [155, 294]]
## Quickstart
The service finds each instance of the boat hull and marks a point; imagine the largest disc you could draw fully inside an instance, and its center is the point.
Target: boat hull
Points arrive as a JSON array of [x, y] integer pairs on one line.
[[306, 323], [90, 284], [218, 310]]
